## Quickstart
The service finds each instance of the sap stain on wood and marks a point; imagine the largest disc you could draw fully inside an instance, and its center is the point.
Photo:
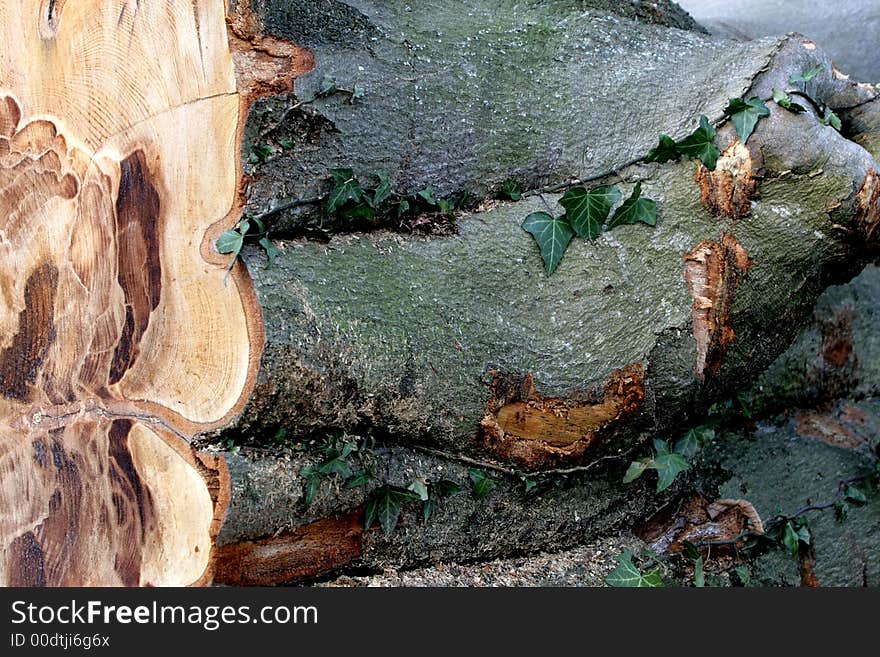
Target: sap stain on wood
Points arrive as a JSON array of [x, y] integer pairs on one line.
[[138, 261], [522, 425], [730, 188], [712, 271], [305, 553], [21, 361]]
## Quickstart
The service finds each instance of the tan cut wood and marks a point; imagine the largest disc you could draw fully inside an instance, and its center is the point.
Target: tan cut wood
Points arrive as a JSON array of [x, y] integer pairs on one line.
[[120, 131]]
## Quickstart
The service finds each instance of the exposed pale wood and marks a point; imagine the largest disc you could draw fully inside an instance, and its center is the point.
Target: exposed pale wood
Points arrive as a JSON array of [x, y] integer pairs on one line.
[[120, 127]]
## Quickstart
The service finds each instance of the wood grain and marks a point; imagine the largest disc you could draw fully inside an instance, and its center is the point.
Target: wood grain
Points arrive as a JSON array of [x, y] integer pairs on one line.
[[120, 132]]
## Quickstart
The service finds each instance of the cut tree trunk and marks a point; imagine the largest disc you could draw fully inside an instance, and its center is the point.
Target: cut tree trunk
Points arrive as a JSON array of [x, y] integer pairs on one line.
[[120, 126], [460, 350]]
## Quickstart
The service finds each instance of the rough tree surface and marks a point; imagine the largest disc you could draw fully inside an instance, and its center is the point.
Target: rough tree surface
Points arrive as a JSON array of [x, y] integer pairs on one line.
[[462, 343], [121, 338]]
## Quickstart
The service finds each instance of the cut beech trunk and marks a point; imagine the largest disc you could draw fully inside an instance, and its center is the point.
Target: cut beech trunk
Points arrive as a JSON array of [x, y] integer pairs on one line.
[[460, 349], [120, 126]]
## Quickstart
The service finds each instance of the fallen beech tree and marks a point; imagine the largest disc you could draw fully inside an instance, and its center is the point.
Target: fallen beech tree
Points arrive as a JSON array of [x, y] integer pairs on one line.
[[457, 350], [459, 344]]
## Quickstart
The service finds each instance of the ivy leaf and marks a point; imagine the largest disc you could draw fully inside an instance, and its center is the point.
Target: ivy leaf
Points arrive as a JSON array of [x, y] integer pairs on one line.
[[420, 487], [385, 504], [790, 539], [831, 119], [230, 241], [807, 76], [312, 482], [444, 488], [700, 144], [428, 507], [359, 211], [382, 191], [636, 469], [635, 209], [668, 466], [626, 574], [357, 93], [853, 494], [427, 195], [358, 479], [529, 485], [784, 101], [337, 466], [347, 189], [552, 234], [691, 550], [745, 115], [588, 211], [511, 190], [271, 251], [286, 144], [664, 151], [688, 444], [661, 447], [483, 484], [841, 511], [745, 577]]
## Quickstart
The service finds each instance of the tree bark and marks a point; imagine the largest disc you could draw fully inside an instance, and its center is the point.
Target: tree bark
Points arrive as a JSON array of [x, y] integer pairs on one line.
[[460, 348]]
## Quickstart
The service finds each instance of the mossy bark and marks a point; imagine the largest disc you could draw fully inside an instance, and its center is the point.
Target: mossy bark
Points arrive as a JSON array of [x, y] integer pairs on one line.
[[438, 342]]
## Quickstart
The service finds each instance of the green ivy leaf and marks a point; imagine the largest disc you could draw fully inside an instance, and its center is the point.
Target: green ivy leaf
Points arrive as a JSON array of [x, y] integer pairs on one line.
[[529, 485], [402, 207], [661, 447], [312, 482], [831, 119], [338, 466], [587, 211], [668, 466], [483, 484], [841, 511], [427, 195], [347, 188], [358, 211], [359, 479], [790, 539], [688, 444], [444, 488], [784, 101], [700, 144], [286, 144], [271, 251], [552, 234], [627, 575], [664, 151], [745, 577], [853, 494], [230, 241], [745, 115], [387, 502], [357, 93], [511, 190], [637, 469], [691, 550], [635, 209], [807, 76], [420, 487], [382, 191], [428, 507]]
